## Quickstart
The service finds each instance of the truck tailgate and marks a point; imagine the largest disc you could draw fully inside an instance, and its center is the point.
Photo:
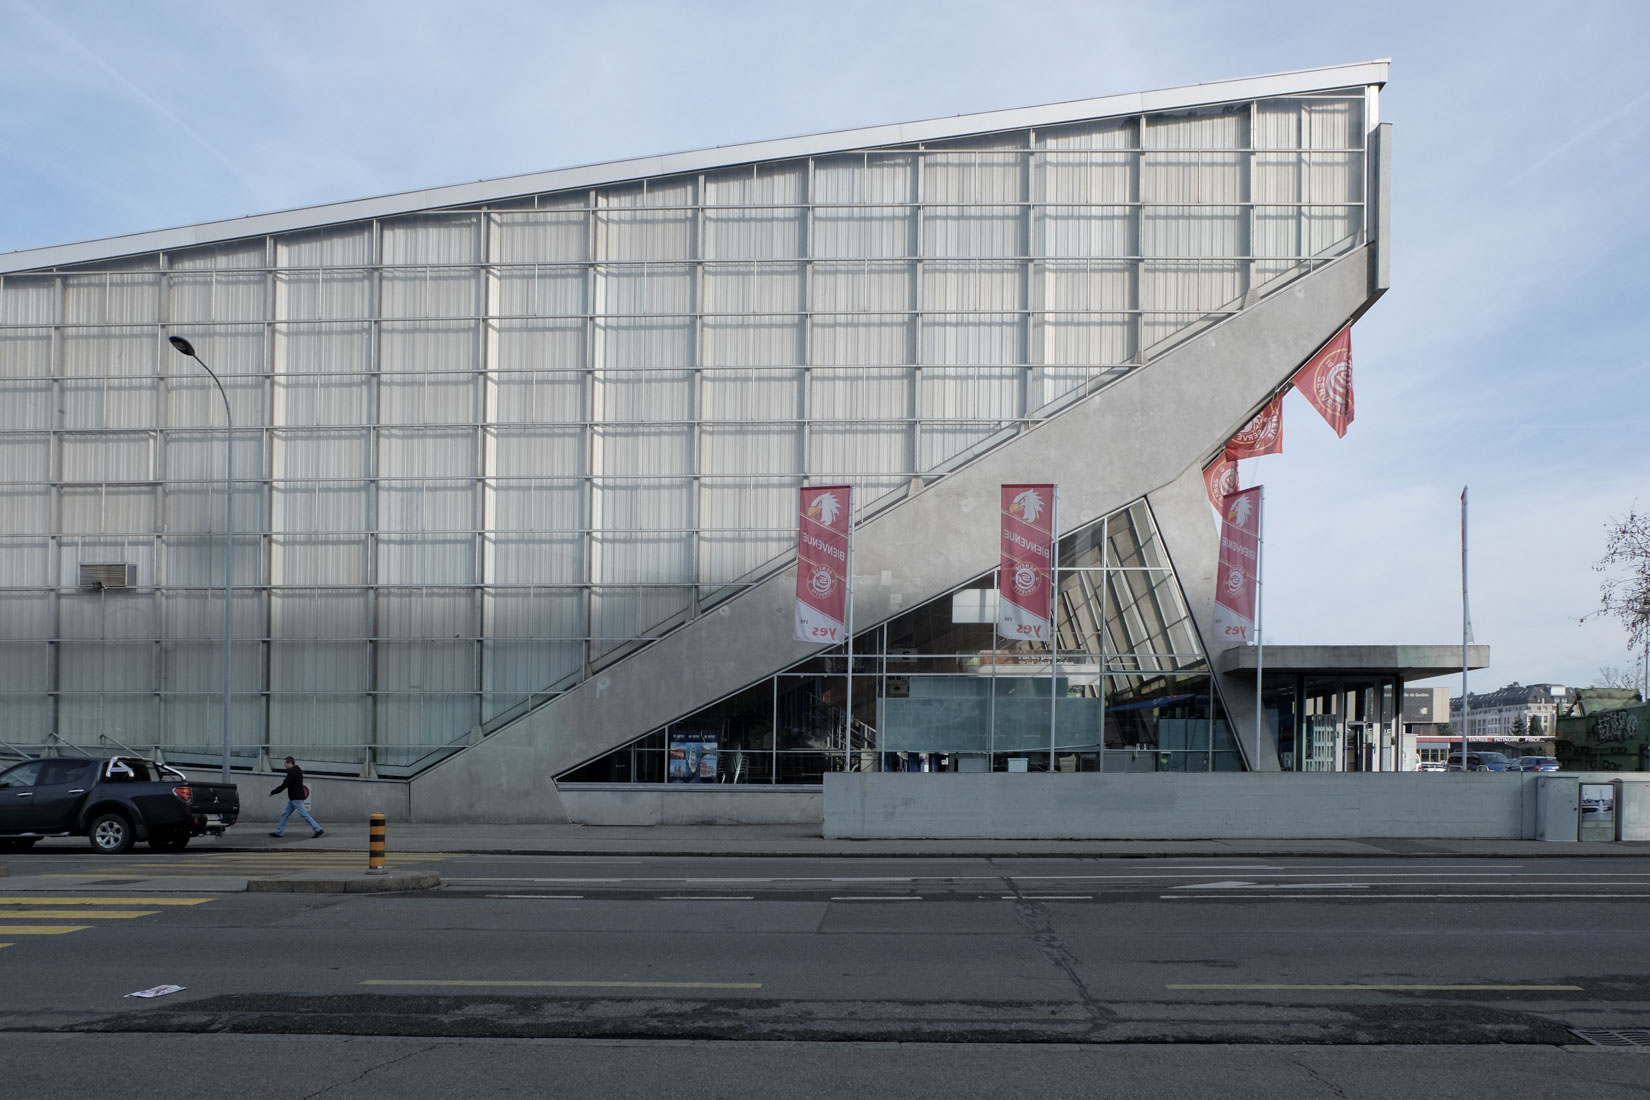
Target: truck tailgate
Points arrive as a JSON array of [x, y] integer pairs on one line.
[[215, 798]]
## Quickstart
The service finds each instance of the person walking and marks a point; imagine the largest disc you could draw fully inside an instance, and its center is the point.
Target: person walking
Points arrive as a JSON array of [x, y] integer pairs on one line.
[[296, 792]]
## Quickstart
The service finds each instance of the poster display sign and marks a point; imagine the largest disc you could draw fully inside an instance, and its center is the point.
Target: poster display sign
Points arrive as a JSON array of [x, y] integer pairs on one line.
[[1025, 585], [1598, 804], [692, 757], [822, 565], [1237, 578]]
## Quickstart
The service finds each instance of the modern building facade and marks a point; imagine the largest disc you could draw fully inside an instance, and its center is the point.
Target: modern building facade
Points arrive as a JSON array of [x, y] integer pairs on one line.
[[1517, 710], [516, 462]]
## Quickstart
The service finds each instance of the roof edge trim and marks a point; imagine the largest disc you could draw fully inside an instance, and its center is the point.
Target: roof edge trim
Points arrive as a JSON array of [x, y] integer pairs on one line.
[[610, 172]]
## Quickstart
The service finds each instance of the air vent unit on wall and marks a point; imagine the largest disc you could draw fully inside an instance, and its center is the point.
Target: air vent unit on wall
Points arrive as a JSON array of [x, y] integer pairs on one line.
[[116, 575]]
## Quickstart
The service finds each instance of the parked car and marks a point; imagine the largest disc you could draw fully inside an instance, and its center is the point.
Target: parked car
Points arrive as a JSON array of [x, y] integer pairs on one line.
[[1480, 762], [1534, 764], [112, 803], [1430, 766]]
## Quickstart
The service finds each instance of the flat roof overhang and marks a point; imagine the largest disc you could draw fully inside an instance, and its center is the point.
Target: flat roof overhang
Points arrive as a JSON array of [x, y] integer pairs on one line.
[[1351, 662]]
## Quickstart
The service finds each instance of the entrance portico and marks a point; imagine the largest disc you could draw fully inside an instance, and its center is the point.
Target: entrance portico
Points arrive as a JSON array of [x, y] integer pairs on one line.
[[1338, 707]]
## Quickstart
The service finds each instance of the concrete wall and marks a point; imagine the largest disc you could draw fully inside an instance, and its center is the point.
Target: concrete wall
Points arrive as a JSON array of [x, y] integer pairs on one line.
[[1088, 805], [721, 804], [1321, 805], [341, 800]]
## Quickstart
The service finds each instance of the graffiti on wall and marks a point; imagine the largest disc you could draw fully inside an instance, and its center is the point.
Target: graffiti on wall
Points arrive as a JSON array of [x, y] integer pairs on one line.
[[1616, 725]]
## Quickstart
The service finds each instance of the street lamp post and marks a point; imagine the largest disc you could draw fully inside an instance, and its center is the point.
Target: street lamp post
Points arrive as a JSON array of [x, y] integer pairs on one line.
[[186, 348]]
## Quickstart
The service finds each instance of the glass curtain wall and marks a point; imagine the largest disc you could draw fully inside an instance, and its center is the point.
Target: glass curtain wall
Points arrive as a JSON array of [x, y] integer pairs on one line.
[[1126, 687]]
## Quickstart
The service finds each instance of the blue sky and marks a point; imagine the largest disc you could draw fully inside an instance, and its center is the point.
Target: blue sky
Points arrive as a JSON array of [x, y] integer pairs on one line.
[[1509, 355]]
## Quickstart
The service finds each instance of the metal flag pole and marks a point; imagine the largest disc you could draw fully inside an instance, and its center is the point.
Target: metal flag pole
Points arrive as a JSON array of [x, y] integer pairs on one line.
[[848, 723], [1053, 622], [1105, 547], [1260, 646], [1466, 630]]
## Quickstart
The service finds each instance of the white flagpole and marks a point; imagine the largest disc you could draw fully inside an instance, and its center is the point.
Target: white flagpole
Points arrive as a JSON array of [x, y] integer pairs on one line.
[[1260, 646], [1105, 548], [1466, 631], [848, 731], [1053, 622]]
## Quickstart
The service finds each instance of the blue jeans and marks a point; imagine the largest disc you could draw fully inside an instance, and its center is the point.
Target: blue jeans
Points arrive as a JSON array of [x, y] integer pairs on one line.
[[295, 805]]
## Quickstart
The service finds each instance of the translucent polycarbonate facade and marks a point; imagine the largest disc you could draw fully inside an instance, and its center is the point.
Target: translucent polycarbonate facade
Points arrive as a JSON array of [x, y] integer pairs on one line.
[[481, 452]]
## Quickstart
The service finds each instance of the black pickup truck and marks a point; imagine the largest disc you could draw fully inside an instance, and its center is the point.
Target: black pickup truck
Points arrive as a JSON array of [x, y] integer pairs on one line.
[[111, 802]]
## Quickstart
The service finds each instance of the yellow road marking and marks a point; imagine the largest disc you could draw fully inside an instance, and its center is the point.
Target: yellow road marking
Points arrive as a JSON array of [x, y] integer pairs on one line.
[[5, 945], [84, 875], [77, 914], [14, 900], [221, 862], [1427, 988], [40, 929], [564, 984]]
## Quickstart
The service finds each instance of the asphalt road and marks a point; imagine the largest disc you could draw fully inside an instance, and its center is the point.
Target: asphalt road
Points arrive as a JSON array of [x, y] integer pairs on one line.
[[907, 977]]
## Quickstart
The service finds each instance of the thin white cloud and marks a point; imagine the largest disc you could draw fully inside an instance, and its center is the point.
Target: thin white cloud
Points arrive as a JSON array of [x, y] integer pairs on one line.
[[136, 92]]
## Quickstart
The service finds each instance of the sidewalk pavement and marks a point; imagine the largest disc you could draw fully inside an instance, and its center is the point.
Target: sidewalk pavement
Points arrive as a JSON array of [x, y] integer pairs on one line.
[[803, 841]]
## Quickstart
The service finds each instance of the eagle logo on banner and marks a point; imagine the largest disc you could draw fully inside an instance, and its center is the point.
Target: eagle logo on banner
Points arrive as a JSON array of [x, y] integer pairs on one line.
[[1028, 504], [1261, 436], [824, 508]]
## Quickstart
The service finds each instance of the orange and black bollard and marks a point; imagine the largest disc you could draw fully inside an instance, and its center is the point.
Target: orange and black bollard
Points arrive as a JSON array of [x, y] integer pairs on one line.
[[375, 846]]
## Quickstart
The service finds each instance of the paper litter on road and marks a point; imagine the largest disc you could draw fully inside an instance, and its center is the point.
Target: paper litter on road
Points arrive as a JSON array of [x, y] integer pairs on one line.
[[157, 991]]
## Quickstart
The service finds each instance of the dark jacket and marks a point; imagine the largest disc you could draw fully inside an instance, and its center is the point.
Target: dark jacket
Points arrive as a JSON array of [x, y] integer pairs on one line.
[[293, 784]]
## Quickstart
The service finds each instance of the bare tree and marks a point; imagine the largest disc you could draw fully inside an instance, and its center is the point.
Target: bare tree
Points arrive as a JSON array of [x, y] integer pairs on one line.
[[1625, 591], [1611, 677]]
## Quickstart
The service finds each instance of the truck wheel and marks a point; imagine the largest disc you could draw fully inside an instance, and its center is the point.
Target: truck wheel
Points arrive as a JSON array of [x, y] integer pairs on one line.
[[169, 842], [110, 833]]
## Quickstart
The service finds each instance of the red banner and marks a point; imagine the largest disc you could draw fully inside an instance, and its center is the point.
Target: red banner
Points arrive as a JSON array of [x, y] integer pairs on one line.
[[1025, 589], [1261, 436], [822, 565], [1237, 581], [1220, 479], [1326, 381]]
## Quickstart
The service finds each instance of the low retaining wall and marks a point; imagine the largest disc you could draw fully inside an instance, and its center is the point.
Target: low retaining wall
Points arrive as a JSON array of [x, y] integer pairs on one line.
[[1163, 806], [691, 804], [1082, 806], [340, 799]]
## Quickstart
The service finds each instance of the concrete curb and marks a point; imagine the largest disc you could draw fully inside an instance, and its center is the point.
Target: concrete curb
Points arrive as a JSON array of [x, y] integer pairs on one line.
[[1007, 849], [362, 883]]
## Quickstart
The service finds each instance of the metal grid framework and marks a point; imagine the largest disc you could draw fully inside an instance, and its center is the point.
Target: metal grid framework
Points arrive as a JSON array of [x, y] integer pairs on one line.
[[483, 451], [791, 727]]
